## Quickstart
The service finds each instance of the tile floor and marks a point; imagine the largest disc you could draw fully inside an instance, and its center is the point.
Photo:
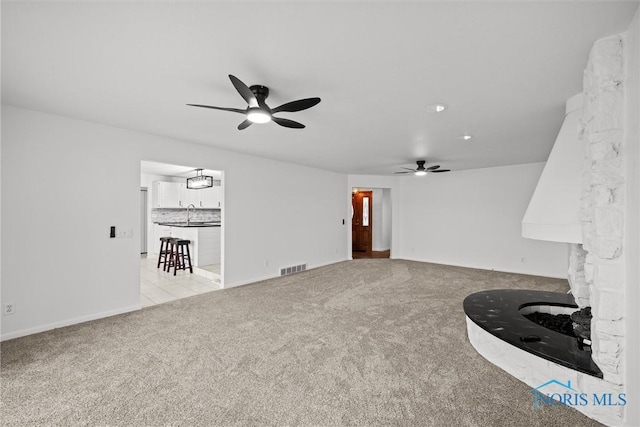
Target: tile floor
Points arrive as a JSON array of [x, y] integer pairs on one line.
[[213, 268], [157, 286]]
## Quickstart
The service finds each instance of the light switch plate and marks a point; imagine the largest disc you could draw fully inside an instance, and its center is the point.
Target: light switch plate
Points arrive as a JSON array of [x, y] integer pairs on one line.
[[124, 233]]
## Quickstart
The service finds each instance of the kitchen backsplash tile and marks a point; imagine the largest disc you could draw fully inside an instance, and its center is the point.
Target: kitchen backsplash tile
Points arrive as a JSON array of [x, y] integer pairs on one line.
[[180, 215]]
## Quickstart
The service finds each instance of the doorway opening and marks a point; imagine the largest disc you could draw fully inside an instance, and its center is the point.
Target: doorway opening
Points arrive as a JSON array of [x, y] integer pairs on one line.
[[370, 223], [173, 209]]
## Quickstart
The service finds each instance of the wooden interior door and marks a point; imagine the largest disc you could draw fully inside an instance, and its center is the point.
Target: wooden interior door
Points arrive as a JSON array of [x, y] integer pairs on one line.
[[361, 230]]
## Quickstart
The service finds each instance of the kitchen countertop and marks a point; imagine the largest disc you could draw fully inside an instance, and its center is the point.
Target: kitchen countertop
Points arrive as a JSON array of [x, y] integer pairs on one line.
[[190, 225]]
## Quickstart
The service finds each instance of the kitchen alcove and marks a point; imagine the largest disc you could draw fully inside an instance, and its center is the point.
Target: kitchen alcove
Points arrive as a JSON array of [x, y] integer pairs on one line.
[[173, 210]]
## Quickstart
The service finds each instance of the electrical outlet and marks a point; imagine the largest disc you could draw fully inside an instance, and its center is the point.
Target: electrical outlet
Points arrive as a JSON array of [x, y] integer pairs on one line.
[[9, 308], [523, 260], [266, 263]]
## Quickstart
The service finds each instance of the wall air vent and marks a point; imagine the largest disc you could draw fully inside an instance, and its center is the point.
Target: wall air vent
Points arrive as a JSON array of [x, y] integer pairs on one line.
[[284, 271]]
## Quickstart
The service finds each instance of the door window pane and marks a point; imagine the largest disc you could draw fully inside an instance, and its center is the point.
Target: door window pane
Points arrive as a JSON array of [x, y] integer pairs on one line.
[[365, 211]]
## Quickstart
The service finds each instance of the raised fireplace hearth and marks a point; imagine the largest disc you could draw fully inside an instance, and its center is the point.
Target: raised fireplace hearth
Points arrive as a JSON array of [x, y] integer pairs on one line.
[[502, 313], [499, 330]]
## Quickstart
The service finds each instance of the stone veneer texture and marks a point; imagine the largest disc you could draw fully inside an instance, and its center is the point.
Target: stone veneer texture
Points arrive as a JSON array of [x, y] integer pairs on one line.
[[597, 268], [580, 288], [180, 215]]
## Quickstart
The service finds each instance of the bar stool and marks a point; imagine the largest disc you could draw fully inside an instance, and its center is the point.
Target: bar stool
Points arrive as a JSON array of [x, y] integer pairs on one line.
[[164, 254], [171, 249], [179, 259]]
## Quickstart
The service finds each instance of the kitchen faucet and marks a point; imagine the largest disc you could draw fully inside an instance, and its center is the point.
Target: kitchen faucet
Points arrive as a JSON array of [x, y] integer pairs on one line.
[[189, 206]]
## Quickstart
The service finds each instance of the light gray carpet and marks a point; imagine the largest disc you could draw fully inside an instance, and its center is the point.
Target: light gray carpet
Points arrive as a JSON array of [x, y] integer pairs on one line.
[[364, 342]]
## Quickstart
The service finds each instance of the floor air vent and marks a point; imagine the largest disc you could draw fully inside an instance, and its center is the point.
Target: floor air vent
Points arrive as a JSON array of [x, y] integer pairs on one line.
[[293, 269]]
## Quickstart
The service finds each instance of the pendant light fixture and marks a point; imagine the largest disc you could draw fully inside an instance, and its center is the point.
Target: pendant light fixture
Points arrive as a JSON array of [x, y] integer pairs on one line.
[[199, 181]]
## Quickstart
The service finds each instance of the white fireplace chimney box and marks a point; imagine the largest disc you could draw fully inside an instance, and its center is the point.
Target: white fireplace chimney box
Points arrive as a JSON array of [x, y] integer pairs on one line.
[[553, 212]]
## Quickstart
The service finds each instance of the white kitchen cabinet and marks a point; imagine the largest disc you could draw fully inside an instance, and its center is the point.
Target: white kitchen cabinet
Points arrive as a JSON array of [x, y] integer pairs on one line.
[[177, 195], [210, 197], [167, 194], [218, 195]]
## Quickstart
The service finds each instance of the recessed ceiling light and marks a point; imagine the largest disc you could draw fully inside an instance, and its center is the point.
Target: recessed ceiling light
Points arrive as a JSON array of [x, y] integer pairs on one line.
[[436, 108], [466, 137]]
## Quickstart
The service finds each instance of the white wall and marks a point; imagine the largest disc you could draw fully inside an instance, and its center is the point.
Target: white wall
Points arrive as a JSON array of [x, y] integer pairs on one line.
[[381, 221], [631, 245], [385, 244], [377, 219], [64, 182], [2, 300], [473, 218]]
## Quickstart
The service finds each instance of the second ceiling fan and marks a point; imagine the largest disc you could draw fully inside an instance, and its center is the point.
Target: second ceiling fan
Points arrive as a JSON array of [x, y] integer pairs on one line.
[[421, 170], [258, 111]]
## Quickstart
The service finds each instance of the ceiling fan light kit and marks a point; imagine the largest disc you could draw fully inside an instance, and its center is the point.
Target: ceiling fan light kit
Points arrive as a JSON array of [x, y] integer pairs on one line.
[[422, 171], [258, 115], [258, 111]]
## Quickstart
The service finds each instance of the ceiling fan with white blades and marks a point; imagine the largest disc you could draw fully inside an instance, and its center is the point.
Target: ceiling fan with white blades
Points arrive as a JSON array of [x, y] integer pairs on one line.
[[421, 170], [258, 111]]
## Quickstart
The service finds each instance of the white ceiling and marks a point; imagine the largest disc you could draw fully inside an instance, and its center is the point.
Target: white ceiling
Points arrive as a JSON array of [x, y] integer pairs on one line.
[[504, 68], [163, 169]]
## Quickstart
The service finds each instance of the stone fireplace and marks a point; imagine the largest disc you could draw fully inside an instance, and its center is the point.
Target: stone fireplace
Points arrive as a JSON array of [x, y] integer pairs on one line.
[[589, 167], [596, 269]]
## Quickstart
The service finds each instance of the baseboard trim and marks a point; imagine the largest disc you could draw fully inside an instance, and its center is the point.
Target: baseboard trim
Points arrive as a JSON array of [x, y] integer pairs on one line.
[[68, 322], [480, 267], [268, 277]]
